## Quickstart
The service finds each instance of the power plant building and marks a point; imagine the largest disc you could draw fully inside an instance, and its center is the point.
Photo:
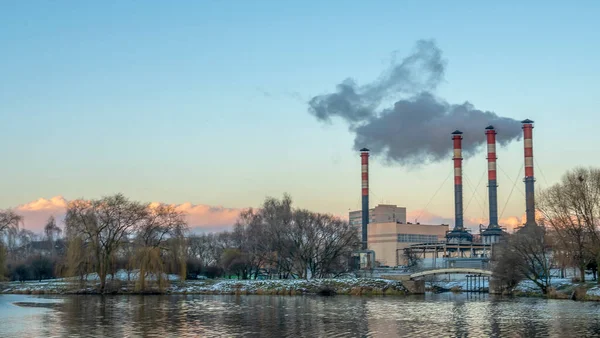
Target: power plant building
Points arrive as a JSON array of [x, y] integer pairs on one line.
[[380, 214], [389, 240], [385, 233], [389, 233]]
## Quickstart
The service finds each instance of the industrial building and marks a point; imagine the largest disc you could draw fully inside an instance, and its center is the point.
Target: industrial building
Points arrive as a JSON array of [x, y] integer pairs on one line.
[[386, 234], [388, 240], [382, 213], [389, 234]]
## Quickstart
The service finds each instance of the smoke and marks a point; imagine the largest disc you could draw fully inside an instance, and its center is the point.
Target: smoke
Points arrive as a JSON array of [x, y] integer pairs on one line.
[[416, 130]]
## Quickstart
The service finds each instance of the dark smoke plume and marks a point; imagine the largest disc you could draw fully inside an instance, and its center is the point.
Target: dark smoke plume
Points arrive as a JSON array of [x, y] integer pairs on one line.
[[416, 130]]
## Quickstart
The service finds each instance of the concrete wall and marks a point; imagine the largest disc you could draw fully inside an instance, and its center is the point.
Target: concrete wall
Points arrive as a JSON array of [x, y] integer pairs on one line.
[[383, 239], [380, 214]]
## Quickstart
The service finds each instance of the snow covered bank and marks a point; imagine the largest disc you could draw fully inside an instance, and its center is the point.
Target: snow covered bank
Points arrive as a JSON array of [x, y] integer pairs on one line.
[[349, 286], [560, 287], [352, 286]]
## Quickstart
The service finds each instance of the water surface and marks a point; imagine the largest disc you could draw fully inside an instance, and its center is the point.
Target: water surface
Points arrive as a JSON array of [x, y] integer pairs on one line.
[[442, 315]]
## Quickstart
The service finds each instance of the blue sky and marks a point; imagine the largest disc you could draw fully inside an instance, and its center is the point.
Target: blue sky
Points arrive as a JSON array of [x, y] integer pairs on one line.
[[205, 101]]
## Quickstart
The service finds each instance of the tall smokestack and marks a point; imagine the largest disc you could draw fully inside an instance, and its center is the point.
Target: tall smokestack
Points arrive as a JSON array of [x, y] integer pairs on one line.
[[458, 192], [459, 234], [492, 183], [529, 178], [364, 159]]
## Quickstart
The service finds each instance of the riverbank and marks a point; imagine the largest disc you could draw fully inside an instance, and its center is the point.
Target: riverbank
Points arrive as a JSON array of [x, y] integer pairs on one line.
[[561, 288], [345, 286]]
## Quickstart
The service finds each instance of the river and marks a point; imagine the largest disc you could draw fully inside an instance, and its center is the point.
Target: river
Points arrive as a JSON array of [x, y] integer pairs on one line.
[[431, 315]]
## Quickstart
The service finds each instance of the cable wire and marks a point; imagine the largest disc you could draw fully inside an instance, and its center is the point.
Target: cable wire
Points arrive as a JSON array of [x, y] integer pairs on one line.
[[436, 192], [541, 171], [474, 190], [511, 191], [510, 179]]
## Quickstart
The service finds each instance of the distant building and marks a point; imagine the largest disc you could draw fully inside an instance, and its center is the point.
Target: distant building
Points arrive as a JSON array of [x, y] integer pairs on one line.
[[380, 214], [389, 233], [389, 239]]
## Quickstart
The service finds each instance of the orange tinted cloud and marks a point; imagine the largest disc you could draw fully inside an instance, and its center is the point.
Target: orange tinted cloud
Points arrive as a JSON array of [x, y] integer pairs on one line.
[[200, 217], [36, 213], [513, 222]]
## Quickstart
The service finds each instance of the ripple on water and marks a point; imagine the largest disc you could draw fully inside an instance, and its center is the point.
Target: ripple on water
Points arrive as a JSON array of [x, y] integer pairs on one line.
[[445, 315]]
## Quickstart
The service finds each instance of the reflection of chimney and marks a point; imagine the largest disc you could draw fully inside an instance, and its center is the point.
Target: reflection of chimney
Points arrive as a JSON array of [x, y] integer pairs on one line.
[[492, 183], [529, 179], [364, 159], [458, 193]]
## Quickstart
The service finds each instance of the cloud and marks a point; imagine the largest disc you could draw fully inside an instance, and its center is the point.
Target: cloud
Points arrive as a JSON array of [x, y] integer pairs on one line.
[[512, 222], [41, 204], [200, 217], [209, 218], [36, 213]]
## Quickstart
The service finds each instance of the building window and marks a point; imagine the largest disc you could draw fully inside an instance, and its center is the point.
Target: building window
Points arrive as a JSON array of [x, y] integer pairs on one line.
[[416, 238]]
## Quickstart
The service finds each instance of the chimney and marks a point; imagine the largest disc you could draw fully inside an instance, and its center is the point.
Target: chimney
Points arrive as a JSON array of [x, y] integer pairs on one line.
[[364, 157], [458, 192], [529, 178], [492, 183]]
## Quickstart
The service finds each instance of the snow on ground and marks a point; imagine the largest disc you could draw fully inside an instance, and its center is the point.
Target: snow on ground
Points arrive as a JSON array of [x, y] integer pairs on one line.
[[594, 292], [530, 286], [123, 275], [340, 285], [525, 286], [344, 285]]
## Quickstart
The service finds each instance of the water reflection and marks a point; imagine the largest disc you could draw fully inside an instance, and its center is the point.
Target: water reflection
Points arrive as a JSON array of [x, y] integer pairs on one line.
[[443, 315]]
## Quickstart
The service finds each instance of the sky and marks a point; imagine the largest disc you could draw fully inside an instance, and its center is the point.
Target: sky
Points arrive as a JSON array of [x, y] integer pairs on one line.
[[204, 104]]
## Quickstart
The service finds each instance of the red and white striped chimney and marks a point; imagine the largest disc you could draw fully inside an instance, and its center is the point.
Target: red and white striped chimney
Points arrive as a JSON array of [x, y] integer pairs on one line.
[[364, 159], [492, 180], [529, 178], [458, 191]]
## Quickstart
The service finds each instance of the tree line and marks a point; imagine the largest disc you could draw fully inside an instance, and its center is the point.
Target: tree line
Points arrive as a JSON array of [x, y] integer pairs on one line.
[[147, 242], [278, 241], [567, 234]]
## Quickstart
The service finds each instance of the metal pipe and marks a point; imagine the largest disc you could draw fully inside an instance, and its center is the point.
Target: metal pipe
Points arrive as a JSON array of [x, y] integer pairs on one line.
[[529, 177], [364, 156]]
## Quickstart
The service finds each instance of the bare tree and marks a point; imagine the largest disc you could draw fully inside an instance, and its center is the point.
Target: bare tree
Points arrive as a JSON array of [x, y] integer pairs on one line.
[[9, 219], [507, 265], [571, 208], [529, 251], [103, 225], [25, 238], [318, 243], [412, 259], [52, 232], [276, 237], [204, 248]]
